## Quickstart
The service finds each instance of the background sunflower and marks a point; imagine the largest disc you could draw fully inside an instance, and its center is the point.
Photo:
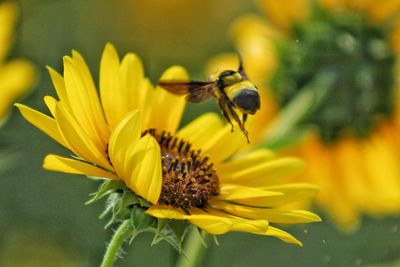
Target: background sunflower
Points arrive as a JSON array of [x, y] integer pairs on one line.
[[345, 53], [16, 75]]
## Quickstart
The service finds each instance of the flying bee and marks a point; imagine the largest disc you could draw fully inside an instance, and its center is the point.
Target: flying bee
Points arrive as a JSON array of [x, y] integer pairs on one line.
[[232, 89]]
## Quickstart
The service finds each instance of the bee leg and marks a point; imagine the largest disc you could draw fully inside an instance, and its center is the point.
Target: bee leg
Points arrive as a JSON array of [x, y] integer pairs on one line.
[[222, 106], [241, 124], [244, 119]]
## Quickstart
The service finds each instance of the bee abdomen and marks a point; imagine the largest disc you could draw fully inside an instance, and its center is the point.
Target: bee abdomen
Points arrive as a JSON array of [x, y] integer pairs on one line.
[[248, 100]]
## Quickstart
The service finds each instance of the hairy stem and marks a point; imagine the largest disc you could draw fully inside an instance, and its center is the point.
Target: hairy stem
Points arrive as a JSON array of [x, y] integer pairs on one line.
[[115, 244]]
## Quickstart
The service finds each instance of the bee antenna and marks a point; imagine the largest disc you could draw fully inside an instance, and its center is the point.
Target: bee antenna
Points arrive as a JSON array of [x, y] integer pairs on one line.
[[241, 68]]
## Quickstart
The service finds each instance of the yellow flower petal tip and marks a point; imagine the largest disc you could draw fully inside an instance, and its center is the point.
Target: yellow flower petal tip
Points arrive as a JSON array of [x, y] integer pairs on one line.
[[175, 73]]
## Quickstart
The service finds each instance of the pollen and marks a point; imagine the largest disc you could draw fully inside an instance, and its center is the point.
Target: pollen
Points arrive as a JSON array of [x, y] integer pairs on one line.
[[189, 179]]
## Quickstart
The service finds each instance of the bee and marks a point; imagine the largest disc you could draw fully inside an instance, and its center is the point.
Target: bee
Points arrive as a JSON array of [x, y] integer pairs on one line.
[[234, 92]]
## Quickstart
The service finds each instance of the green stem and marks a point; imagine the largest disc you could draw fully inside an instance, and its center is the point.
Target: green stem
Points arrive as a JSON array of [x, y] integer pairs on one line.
[[194, 249], [115, 244]]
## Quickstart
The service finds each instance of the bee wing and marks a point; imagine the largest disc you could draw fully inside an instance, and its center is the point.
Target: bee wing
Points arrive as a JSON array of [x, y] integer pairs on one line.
[[195, 92], [241, 68], [200, 94]]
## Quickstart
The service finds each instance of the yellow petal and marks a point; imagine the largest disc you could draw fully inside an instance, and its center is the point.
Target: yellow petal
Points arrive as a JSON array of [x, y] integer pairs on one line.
[[201, 129], [332, 4], [110, 87], [256, 40], [383, 10], [122, 140], [382, 166], [351, 177], [68, 165], [59, 85], [213, 222], [16, 78], [238, 164], [51, 104], [291, 193], [135, 88], [232, 192], [217, 222], [146, 177], [320, 169], [264, 174], [221, 62], [282, 235], [167, 108], [123, 83], [79, 142], [224, 144], [165, 212], [84, 101], [395, 40], [284, 13], [271, 215], [250, 226], [8, 12], [44, 123]]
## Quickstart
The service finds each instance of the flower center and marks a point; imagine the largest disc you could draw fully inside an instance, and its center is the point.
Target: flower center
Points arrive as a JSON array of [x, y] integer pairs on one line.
[[362, 63], [189, 180]]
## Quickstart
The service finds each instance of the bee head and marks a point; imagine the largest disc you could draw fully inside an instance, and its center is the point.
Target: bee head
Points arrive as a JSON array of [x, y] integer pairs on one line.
[[247, 100], [228, 78]]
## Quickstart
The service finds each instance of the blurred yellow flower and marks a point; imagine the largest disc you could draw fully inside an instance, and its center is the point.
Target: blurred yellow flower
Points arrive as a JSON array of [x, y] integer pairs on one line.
[[185, 174], [17, 75], [352, 151]]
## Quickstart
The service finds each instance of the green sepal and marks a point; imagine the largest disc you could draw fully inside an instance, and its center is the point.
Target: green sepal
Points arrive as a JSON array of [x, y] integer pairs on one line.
[[171, 231], [200, 234], [112, 205], [215, 238], [144, 203], [123, 204], [105, 188], [161, 224], [127, 199], [171, 239], [140, 220], [179, 228]]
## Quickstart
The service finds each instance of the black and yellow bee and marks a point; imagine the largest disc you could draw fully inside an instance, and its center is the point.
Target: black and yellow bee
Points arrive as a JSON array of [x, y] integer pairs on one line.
[[232, 89]]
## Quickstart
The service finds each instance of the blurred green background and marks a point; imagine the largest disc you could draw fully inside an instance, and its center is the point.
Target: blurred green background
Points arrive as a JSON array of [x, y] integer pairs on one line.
[[43, 219]]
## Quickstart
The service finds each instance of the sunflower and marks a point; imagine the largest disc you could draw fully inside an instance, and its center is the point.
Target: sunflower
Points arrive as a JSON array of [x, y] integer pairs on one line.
[[130, 135], [349, 49], [17, 75]]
